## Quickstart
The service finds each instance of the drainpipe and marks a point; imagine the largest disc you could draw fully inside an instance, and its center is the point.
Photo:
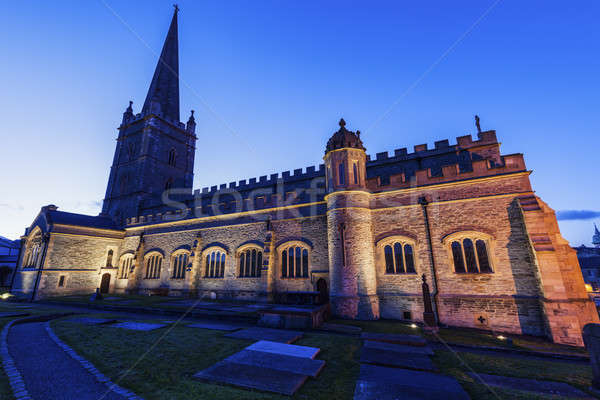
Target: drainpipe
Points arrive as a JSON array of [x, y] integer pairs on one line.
[[46, 239], [423, 202]]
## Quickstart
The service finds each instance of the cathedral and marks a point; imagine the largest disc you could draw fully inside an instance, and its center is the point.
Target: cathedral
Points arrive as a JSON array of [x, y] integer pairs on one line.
[[362, 230]]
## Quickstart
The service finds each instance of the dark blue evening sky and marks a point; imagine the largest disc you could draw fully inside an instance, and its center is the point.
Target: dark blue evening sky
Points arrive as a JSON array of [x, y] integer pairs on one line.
[[270, 79]]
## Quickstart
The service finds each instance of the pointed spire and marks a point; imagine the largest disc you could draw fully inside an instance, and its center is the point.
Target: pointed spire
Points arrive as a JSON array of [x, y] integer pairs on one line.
[[163, 94], [191, 124], [128, 114]]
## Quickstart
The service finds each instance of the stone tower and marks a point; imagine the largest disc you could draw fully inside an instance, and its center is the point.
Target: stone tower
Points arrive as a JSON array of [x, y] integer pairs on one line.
[[155, 151], [351, 256]]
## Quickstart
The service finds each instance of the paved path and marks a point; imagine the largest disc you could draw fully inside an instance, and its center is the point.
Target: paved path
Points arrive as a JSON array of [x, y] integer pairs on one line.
[[49, 373]]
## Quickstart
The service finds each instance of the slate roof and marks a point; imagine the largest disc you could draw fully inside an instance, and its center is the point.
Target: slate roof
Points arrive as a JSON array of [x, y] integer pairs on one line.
[[67, 218]]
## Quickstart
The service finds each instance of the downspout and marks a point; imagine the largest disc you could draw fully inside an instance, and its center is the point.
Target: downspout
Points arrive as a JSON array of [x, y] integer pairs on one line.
[[423, 202], [46, 239]]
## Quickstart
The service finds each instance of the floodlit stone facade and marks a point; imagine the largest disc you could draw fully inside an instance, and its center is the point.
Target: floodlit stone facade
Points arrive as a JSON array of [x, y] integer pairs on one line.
[[360, 230]]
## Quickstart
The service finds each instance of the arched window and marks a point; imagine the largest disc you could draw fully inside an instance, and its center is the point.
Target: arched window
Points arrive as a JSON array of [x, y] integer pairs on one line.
[[180, 262], [172, 155], [294, 261], [355, 168], [34, 246], [470, 252], [153, 264], [125, 266], [251, 260], [399, 257], [215, 264], [109, 258], [341, 173]]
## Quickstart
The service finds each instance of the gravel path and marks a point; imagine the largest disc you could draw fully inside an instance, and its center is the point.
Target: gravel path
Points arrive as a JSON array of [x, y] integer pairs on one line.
[[49, 373]]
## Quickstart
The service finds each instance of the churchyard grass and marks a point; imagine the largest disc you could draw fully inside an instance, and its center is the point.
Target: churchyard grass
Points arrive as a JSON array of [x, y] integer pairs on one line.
[[459, 364], [165, 372]]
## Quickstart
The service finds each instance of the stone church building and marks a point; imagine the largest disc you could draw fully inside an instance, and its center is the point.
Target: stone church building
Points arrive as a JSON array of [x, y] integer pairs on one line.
[[362, 229]]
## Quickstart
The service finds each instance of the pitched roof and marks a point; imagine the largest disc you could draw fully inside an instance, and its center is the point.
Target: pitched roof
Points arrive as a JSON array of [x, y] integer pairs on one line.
[[67, 218]]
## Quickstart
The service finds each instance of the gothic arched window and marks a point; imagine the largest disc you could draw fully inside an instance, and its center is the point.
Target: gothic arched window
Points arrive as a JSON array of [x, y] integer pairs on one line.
[[180, 262], [109, 258], [470, 252], [250, 260], [294, 260], [153, 265], [214, 263], [341, 173], [34, 246], [355, 168], [398, 255], [125, 266]]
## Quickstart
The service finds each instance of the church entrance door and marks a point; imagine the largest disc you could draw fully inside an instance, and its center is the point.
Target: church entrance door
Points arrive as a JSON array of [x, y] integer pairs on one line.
[[105, 284]]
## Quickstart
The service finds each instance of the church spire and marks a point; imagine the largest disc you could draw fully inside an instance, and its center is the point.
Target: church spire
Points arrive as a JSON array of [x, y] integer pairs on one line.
[[163, 94]]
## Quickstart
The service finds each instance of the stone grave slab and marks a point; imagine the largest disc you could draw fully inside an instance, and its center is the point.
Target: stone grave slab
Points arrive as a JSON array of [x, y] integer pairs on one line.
[[409, 340], [285, 349], [138, 326], [382, 383], [341, 328], [7, 314], [280, 362], [219, 326], [251, 377], [399, 360], [273, 335], [91, 320], [398, 348], [531, 385]]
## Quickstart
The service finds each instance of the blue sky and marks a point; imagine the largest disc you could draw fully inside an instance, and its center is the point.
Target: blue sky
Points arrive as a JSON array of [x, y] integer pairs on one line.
[[270, 79]]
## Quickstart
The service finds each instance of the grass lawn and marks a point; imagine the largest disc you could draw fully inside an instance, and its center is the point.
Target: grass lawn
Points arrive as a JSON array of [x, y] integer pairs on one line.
[[459, 364], [165, 371]]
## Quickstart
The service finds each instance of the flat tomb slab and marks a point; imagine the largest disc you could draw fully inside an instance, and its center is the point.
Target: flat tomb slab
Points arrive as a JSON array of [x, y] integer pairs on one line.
[[219, 326], [251, 377], [284, 349], [531, 385], [280, 362], [398, 360], [382, 383], [273, 335], [342, 328], [13, 314], [398, 348], [91, 320], [409, 340], [138, 326]]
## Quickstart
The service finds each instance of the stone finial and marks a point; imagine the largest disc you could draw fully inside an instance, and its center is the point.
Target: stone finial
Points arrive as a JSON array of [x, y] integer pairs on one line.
[[477, 124], [342, 122]]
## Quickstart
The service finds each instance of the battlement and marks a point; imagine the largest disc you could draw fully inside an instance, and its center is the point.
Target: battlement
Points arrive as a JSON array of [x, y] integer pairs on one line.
[[449, 173], [264, 180], [440, 147]]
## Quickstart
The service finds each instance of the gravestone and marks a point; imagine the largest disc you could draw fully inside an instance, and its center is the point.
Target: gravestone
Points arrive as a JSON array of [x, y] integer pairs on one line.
[[409, 340], [282, 362], [274, 335], [591, 338], [398, 348], [284, 349]]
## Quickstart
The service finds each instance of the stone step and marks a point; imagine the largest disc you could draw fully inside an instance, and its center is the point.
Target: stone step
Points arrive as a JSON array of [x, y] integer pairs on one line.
[[409, 340]]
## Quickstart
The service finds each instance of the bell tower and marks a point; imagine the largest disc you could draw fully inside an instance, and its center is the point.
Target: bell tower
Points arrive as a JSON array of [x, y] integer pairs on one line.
[[155, 151], [351, 258]]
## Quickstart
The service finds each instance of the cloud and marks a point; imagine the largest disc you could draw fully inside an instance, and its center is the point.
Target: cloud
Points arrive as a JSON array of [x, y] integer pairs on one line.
[[570, 215], [17, 207]]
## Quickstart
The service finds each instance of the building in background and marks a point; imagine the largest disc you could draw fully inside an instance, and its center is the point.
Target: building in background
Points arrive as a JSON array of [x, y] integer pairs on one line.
[[9, 253], [589, 261], [362, 230]]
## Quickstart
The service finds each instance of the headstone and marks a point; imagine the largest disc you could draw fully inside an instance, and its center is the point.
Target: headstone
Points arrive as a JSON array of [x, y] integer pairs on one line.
[[91, 321], [219, 326], [138, 326], [398, 348], [399, 360], [281, 362], [285, 349], [591, 338], [530, 385], [251, 377], [409, 340], [382, 383], [274, 335]]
